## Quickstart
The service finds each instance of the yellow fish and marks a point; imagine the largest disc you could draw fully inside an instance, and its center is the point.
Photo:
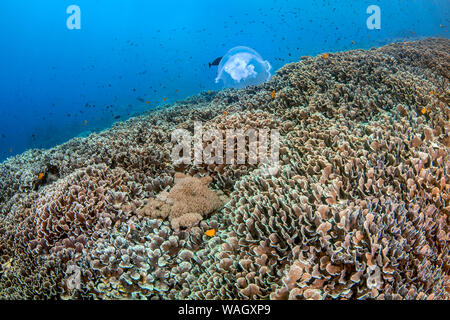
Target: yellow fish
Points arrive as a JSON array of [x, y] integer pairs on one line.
[[40, 176], [210, 232], [325, 55], [273, 94], [424, 110]]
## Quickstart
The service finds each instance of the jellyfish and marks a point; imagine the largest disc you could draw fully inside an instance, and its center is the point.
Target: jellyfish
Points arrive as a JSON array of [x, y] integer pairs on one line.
[[242, 67]]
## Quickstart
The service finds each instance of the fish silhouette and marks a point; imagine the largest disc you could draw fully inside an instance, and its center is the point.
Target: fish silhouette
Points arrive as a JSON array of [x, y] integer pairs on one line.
[[215, 62]]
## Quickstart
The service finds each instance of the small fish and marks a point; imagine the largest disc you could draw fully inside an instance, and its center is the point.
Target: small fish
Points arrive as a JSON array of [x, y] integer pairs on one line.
[[10, 150], [424, 110], [325, 55], [209, 91], [273, 94], [40, 176], [353, 42], [147, 102], [215, 62], [117, 117], [225, 113], [210, 232], [84, 123], [164, 99], [431, 92]]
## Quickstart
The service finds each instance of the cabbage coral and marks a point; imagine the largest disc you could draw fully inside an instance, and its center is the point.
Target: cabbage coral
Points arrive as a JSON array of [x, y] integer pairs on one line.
[[358, 210]]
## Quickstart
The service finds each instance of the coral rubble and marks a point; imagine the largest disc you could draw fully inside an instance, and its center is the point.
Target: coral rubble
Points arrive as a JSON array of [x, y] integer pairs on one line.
[[358, 210]]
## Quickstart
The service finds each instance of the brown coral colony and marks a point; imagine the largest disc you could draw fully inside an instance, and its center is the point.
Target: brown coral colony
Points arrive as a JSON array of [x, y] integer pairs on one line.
[[186, 204]]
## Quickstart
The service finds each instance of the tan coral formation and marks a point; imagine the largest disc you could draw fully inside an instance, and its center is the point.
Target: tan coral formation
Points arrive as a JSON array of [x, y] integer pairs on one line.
[[186, 203], [359, 208]]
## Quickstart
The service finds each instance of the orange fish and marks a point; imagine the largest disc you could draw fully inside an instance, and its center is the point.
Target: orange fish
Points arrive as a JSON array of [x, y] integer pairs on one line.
[[424, 110], [209, 91], [84, 123], [273, 94], [210, 232], [40, 176], [325, 55], [225, 113], [164, 99], [431, 92], [147, 102]]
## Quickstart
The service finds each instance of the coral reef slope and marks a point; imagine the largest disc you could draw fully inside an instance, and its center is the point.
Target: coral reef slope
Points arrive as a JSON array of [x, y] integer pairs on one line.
[[358, 210]]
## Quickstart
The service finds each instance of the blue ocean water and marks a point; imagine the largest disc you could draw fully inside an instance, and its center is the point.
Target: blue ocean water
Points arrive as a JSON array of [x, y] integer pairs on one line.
[[57, 83]]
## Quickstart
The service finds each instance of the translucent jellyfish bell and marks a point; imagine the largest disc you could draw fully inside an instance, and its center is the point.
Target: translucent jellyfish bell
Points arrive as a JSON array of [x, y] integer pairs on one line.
[[241, 67]]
